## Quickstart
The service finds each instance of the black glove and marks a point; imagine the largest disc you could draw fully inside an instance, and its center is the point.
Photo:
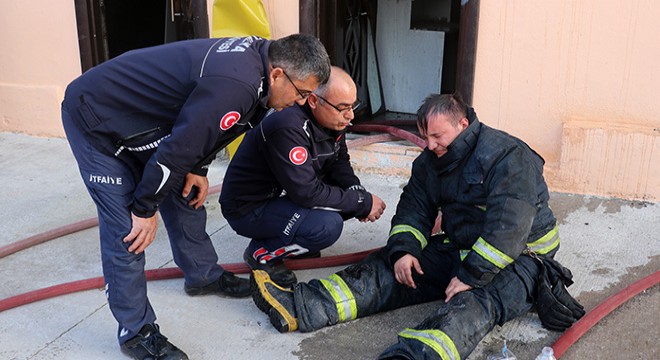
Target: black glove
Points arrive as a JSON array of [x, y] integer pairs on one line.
[[557, 309]]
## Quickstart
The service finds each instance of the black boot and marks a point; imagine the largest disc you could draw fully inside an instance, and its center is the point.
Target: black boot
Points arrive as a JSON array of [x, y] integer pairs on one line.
[[275, 269], [275, 301], [228, 284], [307, 255], [150, 344]]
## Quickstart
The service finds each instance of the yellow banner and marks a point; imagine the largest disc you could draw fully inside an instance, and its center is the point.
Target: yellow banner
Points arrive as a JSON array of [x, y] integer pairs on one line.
[[239, 18]]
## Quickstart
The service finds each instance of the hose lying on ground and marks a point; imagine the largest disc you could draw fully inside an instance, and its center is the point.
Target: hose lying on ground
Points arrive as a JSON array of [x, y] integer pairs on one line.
[[578, 329], [389, 132], [569, 337], [62, 231], [170, 273]]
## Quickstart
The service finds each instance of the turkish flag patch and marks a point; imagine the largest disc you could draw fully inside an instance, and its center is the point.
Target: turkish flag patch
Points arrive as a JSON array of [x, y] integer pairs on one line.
[[298, 155], [229, 120]]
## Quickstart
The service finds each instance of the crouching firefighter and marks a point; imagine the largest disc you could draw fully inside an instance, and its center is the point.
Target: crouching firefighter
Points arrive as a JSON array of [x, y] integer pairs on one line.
[[492, 262]]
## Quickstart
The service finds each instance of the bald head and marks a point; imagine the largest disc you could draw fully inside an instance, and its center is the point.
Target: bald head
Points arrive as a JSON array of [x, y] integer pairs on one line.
[[339, 81], [331, 103]]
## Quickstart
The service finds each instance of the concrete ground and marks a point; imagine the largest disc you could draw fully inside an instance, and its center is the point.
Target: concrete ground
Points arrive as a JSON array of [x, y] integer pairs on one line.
[[608, 244]]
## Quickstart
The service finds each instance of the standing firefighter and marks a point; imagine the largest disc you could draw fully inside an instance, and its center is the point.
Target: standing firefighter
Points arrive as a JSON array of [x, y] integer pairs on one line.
[[144, 128], [491, 261]]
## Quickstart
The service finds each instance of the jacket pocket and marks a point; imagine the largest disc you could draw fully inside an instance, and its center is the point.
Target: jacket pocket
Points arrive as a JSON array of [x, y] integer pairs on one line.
[[90, 120], [473, 178]]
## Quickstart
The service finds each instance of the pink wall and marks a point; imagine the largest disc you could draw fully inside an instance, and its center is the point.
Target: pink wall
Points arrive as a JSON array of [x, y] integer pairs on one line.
[[39, 57], [577, 79]]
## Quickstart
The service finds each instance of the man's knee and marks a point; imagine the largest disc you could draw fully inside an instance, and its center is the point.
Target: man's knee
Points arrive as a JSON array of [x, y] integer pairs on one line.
[[325, 229], [335, 225]]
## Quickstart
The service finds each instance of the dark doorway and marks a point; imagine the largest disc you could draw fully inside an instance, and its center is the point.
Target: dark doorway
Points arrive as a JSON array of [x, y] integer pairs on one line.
[[108, 28], [397, 51], [134, 24]]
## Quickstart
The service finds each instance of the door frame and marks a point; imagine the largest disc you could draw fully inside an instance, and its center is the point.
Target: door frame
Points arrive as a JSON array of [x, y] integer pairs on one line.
[[323, 27]]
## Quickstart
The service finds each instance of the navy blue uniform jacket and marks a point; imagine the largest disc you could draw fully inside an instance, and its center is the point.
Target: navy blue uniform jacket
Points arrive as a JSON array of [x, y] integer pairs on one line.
[[169, 109], [290, 151]]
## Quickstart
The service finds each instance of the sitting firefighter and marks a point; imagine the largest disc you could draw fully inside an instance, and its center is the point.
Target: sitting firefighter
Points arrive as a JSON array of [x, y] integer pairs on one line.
[[492, 262]]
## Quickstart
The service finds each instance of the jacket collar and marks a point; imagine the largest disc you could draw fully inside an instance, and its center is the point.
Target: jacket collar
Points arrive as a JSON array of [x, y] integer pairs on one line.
[[265, 76], [462, 146], [320, 133]]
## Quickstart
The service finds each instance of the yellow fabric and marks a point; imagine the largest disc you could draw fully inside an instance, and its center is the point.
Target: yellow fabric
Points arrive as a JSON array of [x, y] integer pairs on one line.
[[239, 18]]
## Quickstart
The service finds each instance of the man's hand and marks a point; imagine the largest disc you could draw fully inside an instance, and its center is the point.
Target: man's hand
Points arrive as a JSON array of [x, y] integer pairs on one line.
[[142, 233], [377, 209], [402, 271], [202, 184], [455, 286]]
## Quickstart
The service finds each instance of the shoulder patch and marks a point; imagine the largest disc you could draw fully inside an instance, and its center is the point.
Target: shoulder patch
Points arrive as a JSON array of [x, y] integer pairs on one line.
[[298, 155], [229, 119]]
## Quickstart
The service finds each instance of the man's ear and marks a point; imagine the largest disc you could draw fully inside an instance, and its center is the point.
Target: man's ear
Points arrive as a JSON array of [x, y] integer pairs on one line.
[[275, 73], [313, 101], [464, 123]]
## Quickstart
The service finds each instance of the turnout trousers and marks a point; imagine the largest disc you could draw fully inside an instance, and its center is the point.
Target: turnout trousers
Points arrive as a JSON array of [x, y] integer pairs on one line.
[[451, 332], [111, 183]]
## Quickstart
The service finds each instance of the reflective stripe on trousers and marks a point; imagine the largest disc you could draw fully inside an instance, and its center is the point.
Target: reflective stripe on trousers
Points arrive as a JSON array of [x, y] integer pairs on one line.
[[343, 297], [436, 340]]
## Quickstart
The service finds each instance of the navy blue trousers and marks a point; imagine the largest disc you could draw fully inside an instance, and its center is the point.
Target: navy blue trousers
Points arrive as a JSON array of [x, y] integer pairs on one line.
[[111, 183], [280, 228]]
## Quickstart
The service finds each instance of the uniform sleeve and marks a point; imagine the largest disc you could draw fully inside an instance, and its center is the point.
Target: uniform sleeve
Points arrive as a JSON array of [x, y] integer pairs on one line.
[[213, 107], [510, 212], [341, 172], [415, 214], [287, 153]]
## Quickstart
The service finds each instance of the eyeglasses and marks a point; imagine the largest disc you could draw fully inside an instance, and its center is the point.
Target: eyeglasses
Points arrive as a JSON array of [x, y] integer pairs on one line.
[[344, 108], [304, 94]]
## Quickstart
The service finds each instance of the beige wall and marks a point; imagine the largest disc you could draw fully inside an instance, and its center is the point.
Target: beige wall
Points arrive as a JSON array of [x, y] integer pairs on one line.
[[39, 57], [579, 81], [283, 17]]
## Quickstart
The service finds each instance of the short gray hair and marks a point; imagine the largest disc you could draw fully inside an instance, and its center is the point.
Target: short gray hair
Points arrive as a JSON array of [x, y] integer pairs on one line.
[[301, 56]]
